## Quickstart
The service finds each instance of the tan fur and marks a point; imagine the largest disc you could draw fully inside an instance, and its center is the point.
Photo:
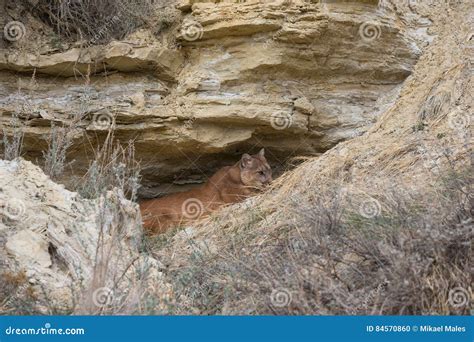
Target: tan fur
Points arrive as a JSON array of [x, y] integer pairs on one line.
[[231, 184]]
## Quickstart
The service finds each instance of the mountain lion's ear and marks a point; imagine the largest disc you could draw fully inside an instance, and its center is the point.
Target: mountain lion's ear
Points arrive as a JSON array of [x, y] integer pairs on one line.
[[262, 152], [245, 161]]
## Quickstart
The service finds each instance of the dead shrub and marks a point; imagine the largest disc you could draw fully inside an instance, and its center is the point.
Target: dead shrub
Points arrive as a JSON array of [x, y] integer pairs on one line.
[[59, 141], [334, 256], [99, 21], [112, 166], [106, 293], [13, 140], [17, 296]]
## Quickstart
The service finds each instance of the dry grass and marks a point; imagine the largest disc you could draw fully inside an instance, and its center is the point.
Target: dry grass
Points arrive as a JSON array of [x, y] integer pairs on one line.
[[332, 249], [337, 235], [106, 292], [112, 166], [59, 141], [100, 21], [13, 142], [17, 296], [117, 288]]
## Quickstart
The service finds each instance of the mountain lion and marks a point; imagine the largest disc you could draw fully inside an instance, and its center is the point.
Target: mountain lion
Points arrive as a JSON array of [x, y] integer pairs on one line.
[[230, 184]]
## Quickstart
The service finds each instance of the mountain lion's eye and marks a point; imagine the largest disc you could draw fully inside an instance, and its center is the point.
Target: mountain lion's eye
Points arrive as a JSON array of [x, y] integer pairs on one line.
[[261, 173]]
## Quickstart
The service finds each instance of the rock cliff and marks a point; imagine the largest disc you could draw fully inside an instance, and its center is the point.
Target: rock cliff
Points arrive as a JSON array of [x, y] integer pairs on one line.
[[75, 253], [295, 77], [380, 222]]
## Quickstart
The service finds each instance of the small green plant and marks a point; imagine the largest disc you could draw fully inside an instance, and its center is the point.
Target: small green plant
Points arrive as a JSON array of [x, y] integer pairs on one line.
[[420, 126]]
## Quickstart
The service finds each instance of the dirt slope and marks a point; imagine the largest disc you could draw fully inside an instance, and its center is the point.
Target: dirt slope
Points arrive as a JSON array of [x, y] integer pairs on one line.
[[405, 182]]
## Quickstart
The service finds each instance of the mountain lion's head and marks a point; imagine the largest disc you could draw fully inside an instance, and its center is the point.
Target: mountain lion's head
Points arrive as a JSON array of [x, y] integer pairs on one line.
[[254, 170]]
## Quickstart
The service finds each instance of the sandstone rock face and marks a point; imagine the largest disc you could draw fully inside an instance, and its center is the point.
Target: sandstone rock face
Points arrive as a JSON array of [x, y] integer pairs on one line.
[[72, 250], [421, 140], [291, 76]]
